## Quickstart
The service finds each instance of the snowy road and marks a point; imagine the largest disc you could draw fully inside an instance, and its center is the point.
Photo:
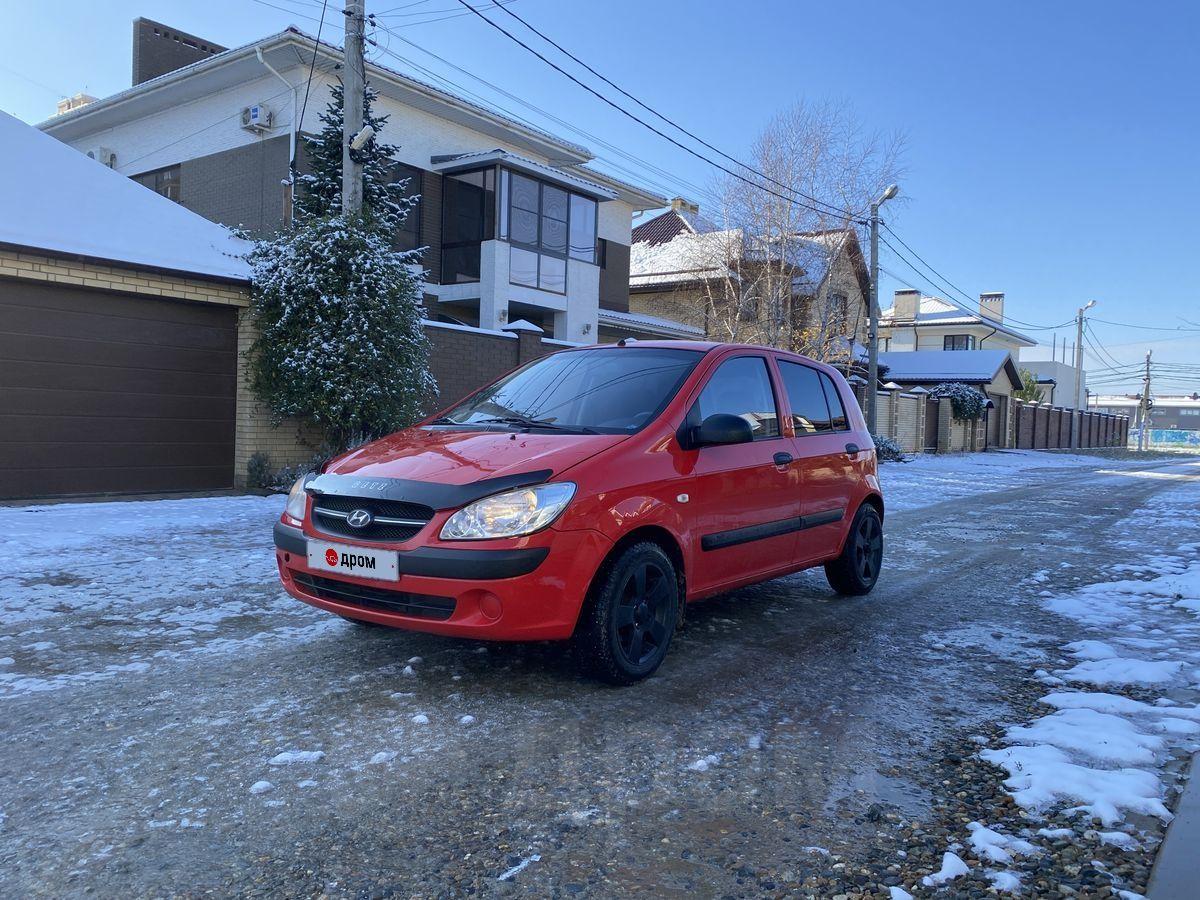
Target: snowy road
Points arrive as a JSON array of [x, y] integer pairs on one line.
[[172, 724]]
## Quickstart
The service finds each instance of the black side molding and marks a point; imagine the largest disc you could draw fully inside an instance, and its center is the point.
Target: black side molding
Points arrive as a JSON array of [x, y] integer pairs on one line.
[[721, 539], [438, 562]]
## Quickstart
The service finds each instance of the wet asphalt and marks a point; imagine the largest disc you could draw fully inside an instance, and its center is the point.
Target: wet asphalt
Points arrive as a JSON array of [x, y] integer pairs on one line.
[[783, 721]]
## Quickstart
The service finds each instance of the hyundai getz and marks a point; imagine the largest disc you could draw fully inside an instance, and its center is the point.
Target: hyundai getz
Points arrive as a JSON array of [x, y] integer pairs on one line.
[[590, 495]]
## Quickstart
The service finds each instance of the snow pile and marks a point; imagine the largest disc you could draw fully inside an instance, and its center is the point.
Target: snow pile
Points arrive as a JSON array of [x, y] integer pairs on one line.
[[952, 867], [1100, 752], [995, 846]]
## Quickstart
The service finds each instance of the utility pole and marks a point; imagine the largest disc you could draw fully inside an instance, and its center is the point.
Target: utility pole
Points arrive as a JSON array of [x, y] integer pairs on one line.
[[1144, 406], [1076, 414], [873, 332], [352, 110]]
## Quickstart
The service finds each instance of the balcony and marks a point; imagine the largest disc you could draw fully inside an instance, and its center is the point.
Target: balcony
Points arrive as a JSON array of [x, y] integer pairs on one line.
[[519, 242]]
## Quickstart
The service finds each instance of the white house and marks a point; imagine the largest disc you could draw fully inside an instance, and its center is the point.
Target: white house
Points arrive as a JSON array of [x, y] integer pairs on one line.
[[916, 322], [517, 225]]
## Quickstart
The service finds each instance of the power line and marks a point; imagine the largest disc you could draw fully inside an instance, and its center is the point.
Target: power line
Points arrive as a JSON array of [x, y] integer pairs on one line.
[[672, 122], [641, 121], [1147, 327], [970, 299], [453, 15], [637, 161], [311, 68]]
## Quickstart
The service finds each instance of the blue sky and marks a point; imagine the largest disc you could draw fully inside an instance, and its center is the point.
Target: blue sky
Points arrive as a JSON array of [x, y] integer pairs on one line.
[[1052, 147]]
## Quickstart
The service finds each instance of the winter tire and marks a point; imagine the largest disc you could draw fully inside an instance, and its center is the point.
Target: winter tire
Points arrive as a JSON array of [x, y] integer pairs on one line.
[[626, 626], [855, 571]]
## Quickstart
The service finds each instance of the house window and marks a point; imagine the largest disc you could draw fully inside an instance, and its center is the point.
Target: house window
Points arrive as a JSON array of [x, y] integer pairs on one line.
[[958, 342], [468, 219], [408, 235], [162, 181], [545, 225]]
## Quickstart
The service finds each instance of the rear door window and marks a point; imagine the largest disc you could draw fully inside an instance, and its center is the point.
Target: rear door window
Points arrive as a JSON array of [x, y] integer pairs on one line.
[[810, 410], [837, 411], [742, 387]]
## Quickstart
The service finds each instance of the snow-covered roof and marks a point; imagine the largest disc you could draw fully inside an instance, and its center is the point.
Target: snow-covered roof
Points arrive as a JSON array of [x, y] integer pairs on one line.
[[655, 324], [968, 366], [688, 257], [936, 311], [677, 247], [54, 198]]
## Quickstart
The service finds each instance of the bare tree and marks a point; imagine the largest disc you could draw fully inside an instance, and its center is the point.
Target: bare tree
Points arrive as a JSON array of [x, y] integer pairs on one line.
[[771, 259]]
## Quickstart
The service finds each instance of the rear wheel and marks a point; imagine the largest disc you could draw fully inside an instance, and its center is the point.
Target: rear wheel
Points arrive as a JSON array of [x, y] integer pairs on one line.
[[856, 570], [626, 628]]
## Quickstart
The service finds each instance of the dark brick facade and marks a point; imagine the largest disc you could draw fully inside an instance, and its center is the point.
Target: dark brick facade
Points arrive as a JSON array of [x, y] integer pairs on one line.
[[240, 187], [462, 361], [614, 277], [159, 49]]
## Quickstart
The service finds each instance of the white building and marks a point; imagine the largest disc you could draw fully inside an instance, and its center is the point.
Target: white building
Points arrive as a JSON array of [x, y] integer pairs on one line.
[[517, 226], [916, 322]]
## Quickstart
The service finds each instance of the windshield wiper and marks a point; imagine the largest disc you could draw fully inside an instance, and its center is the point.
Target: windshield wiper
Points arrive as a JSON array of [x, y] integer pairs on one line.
[[527, 422]]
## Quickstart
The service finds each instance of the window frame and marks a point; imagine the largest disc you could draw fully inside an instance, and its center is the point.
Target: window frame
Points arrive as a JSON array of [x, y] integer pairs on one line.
[[692, 419], [156, 175], [486, 233], [969, 340], [504, 202], [780, 363], [827, 385]]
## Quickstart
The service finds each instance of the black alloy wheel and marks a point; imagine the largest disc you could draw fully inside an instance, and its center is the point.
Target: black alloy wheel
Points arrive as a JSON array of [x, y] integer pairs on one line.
[[856, 569], [644, 613], [626, 625]]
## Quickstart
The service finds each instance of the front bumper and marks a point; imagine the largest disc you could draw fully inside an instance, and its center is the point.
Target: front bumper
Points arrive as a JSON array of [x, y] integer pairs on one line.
[[530, 592]]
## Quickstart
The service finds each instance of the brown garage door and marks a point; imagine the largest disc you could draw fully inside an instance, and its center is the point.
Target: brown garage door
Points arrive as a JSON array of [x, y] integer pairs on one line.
[[104, 392]]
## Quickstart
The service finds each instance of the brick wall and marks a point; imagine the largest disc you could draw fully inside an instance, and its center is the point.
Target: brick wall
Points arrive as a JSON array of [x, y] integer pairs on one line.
[[239, 187], [67, 270]]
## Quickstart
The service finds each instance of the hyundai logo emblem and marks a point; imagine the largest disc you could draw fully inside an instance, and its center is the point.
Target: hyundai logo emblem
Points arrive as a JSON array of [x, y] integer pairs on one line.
[[360, 518]]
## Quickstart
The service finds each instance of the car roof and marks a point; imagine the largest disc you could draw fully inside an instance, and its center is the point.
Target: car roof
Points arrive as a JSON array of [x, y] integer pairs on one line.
[[708, 346]]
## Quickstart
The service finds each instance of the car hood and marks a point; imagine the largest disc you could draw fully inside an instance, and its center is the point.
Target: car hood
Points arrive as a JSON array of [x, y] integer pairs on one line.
[[450, 456]]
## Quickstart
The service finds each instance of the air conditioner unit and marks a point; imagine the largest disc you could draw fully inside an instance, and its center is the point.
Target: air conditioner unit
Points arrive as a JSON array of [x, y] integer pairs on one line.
[[256, 118], [104, 156]]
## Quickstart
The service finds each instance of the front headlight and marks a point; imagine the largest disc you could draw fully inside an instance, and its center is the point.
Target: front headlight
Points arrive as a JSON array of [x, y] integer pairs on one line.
[[510, 514], [296, 500]]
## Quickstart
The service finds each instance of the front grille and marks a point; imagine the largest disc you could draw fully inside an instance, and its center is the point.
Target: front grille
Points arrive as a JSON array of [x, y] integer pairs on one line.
[[330, 511], [421, 606]]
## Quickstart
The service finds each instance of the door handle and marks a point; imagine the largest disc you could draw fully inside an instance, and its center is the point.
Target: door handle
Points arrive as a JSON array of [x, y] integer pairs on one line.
[[782, 459], [852, 449]]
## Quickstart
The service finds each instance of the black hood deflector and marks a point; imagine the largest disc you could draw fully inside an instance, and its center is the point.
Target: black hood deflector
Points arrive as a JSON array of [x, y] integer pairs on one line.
[[427, 493]]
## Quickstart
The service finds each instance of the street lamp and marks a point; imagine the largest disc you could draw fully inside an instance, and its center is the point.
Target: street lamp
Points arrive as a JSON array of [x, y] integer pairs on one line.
[[873, 335], [1075, 416]]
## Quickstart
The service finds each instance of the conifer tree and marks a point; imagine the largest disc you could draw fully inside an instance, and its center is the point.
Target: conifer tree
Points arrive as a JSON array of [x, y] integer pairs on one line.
[[338, 310]]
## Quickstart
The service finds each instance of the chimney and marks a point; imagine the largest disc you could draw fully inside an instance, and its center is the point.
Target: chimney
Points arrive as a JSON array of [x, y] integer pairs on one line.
[[159, 49], [679, 205], [67, 104], [905, 305], [991, 305]]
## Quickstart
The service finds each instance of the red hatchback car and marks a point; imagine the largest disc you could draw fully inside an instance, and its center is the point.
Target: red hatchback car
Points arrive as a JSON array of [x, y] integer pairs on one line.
[[590, 495]]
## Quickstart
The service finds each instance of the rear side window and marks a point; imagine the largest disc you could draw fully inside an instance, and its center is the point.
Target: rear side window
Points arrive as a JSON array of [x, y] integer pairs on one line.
[[837, 412], [742, 387], [810, 411]]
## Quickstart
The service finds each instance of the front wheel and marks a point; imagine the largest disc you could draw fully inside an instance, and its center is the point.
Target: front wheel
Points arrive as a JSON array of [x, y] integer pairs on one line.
[[855, 571], [626, 628]]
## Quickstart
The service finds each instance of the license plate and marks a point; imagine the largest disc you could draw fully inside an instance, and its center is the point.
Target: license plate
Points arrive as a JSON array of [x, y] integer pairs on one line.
[[361, 562]]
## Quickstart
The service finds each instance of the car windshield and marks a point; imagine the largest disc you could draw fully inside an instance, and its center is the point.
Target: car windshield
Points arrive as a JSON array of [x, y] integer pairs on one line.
[[603, 391]]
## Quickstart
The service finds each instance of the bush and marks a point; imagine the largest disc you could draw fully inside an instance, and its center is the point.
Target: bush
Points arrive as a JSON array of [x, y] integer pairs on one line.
[[887, 450], [965, 402], [258, 471]]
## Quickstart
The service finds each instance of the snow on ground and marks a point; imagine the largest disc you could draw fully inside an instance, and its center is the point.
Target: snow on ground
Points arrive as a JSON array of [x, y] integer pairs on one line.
[[927, 479]]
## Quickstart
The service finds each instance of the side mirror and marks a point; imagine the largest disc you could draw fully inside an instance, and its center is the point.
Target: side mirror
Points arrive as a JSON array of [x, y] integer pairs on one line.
[[722, 428]]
